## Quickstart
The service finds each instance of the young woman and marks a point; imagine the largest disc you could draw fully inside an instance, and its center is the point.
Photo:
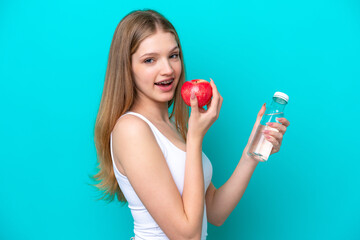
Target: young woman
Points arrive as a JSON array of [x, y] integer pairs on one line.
[[153, 159]]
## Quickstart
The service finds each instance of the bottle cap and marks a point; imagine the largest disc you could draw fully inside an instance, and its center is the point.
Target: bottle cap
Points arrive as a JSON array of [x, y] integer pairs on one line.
[[282, 96]]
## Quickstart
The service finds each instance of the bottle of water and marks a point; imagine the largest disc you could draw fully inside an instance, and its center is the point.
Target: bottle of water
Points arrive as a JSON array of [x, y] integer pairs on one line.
[[260, 148]]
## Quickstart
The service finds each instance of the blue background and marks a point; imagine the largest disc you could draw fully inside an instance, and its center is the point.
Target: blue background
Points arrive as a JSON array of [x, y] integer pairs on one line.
[[53, 57]]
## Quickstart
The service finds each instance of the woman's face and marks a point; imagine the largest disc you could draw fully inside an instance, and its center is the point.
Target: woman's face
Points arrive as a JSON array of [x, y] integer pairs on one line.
[[156, 67]]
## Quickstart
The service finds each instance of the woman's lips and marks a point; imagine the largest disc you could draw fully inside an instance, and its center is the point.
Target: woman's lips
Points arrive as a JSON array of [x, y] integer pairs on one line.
[[165, 87], [165, 82]]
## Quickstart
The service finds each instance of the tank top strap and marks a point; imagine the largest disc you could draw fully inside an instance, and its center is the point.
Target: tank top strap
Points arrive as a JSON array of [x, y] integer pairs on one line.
[[140, 116], [160, 138], [154, 129]]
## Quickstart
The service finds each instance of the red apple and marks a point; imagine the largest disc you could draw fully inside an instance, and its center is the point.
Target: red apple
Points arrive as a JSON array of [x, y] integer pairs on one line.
[[201, 88]]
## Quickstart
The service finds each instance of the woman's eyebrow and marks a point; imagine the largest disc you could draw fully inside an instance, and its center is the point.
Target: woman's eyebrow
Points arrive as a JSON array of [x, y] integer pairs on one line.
[[154, 53], [176, 47]]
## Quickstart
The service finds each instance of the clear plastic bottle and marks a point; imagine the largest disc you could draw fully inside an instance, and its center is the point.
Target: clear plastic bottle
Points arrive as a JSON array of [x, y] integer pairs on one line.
[[260, 148]]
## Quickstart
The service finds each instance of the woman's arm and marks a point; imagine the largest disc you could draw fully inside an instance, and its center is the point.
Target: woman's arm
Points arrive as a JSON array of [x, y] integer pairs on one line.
[[143, 163], [139, 155], [221, 202]]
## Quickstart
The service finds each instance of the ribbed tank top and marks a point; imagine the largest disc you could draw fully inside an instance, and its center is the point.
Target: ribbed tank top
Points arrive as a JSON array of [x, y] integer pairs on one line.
[[145, 227]]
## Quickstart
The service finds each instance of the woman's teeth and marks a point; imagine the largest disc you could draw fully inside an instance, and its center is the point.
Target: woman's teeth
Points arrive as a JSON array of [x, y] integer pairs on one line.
[[165, 82]]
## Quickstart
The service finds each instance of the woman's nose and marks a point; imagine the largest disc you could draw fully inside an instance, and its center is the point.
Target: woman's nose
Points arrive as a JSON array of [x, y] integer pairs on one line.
[[167, 69]]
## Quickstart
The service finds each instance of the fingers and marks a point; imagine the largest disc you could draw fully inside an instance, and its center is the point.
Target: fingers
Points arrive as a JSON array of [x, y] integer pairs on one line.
[[276, 144], [276, 135], [217, 99], [261, 113], [278, 126], [200, 119], [257, 122], [215, 92], [284, 121], [194, 104], [259, 116]]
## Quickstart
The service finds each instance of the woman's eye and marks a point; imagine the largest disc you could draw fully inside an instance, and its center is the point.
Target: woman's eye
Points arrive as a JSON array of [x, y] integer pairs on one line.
[[175, 55], [149, 60]]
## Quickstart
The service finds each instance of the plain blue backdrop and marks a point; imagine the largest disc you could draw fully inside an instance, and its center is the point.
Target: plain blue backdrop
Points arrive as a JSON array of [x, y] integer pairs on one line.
[[53, 57]]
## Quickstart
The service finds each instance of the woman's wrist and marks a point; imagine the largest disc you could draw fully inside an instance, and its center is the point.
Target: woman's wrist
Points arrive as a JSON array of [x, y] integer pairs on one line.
[[194, 136], [193, 140], [248, 159]]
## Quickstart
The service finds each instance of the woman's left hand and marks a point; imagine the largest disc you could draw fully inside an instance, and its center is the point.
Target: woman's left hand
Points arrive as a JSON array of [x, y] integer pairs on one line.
[[276, 137]]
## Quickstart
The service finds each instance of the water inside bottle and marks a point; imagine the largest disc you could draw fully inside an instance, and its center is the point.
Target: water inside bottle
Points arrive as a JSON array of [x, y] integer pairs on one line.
[[260, 147]]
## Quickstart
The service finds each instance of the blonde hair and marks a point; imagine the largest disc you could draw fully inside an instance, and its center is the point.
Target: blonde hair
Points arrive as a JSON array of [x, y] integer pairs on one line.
[[119, 91]]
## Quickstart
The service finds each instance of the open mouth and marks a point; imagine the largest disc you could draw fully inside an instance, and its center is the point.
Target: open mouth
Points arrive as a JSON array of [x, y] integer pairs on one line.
[[165, 83]]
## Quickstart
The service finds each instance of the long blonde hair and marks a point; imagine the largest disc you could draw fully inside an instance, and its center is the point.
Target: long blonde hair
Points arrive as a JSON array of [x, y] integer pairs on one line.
[[119, 91]]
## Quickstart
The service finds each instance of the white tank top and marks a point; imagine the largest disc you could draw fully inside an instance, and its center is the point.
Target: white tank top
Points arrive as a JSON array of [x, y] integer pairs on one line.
[[145, 227]]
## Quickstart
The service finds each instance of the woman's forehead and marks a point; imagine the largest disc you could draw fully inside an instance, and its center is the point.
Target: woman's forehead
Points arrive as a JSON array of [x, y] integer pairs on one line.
[[156, 43]]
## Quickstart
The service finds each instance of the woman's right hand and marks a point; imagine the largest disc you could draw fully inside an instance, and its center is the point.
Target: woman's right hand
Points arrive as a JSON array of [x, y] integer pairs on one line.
[[200, 119]]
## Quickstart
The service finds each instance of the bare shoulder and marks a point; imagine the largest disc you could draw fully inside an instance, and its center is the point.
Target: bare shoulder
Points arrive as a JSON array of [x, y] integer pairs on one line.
[[129, 124], [129, 132], [145, 167]]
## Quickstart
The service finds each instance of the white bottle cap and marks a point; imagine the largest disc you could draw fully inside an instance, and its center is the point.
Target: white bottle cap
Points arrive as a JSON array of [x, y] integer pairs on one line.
[[282, 96]]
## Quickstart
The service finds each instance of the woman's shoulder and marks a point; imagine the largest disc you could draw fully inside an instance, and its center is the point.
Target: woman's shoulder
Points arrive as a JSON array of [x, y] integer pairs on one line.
[[130, 134], [130, 125]]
